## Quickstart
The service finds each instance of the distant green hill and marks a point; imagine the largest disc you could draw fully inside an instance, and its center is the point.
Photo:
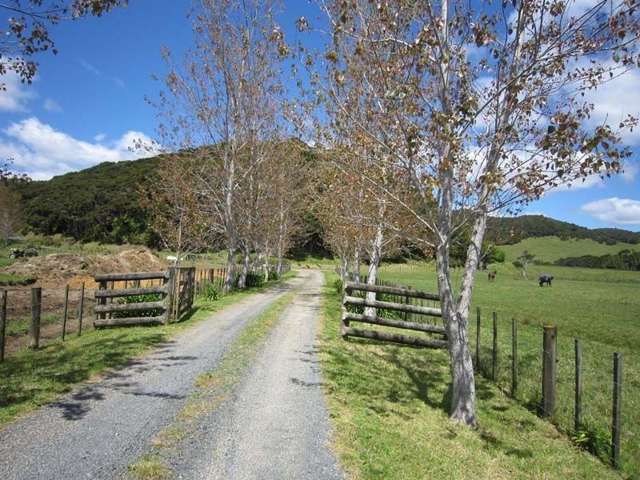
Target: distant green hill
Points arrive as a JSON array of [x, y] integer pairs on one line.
[[550, 249], [510, 230], [102, 204]]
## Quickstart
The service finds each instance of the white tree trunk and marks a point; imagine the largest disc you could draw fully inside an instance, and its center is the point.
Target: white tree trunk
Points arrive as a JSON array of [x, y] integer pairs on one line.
[[242, 279], [228, 281], [372, 273], [356, 264]]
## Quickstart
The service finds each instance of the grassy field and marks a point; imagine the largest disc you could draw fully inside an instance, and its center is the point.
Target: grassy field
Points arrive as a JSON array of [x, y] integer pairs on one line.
[[550, 249], [33, 378], [600, 307], [389, 403]]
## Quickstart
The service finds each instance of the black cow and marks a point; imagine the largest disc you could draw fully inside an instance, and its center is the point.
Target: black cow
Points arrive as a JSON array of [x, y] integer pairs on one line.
[[542, 279]]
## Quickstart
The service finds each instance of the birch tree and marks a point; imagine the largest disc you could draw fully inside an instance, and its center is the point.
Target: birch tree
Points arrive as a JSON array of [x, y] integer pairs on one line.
[[222, 94], [482, 107]]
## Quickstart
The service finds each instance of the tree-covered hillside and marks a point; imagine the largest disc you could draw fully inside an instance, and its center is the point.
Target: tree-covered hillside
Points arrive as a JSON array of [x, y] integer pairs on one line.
[[97, 204], [102, 204]]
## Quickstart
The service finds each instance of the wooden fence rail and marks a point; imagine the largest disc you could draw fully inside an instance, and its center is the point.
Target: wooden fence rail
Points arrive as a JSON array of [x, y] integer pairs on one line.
[[350, 301], [116, 306]]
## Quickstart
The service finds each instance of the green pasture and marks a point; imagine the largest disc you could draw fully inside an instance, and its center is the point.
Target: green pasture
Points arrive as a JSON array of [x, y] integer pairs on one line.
[[550, 249], [599, 307], [389, 408]]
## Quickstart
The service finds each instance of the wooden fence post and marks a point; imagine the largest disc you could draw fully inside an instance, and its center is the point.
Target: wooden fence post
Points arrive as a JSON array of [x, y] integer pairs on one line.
[[36, 307], [514, 357], [81, 309], [617, 404], [478, 339], [66, 312], [171, 291], [3, 323], [494, 356], [549, 370], [577, 412]]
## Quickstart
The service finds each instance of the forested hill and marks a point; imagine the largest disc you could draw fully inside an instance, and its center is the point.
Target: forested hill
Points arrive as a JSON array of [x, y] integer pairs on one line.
[[97, 204], [102, 204], [509, 230]]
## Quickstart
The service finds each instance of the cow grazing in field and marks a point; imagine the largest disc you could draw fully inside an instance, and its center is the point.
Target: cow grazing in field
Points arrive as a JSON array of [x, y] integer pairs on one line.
[[492, 276], [542, 279]]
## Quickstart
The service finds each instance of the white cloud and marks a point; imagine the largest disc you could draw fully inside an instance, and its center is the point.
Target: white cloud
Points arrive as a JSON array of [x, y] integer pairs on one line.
[[43, 152], [51, 105], [90, 68], [614, 100], [16, 95], [614, 210], [100, 137]]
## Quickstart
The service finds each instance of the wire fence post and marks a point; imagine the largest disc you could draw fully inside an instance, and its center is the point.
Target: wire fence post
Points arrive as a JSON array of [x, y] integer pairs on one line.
[[514, 357], [494, 357], [3, 323], [577, 411], [36, 308], [617, 404], [549, 372], [478, 339], [66, 312], [81, 309]]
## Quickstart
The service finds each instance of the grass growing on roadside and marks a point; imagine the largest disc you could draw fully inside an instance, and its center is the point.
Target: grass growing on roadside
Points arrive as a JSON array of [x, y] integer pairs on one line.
[[389, 403], [149, 468], [214, 387], [600, 307], [34, 378]]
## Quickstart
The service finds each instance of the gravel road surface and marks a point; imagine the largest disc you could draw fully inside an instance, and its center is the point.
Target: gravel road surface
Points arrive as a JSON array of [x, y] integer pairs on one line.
[[275, 425], [101, 428]]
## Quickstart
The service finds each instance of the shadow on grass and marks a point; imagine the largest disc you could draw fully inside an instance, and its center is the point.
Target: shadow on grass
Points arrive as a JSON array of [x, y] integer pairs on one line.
[[33, 378]]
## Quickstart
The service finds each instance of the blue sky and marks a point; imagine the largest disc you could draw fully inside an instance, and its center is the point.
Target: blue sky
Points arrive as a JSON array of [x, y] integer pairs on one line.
[[88, 105]]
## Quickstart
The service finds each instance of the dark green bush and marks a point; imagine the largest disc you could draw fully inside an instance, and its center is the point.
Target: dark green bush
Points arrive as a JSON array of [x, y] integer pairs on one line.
[[150, 297], [210, 292]]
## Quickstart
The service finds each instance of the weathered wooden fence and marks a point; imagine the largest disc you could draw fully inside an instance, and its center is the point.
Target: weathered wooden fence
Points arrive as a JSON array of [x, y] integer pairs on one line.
[[154, 297], [355, 308]]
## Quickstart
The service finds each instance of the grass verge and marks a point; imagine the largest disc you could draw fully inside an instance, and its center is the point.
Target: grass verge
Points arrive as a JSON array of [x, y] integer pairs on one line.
[[388, 405], [212, 388], [31, 379], [599, 307]]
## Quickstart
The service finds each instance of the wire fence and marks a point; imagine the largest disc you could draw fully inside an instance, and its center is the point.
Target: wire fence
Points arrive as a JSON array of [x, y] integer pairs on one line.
[[596, 404], [54, 302], [595, 387]]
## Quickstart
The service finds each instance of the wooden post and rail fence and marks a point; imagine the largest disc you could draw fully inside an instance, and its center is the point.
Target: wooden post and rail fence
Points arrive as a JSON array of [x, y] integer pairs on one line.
[[350, 302], [170, 300]]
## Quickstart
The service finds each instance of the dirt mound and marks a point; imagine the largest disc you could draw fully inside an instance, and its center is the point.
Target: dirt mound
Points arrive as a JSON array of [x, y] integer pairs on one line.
[[58, 269]]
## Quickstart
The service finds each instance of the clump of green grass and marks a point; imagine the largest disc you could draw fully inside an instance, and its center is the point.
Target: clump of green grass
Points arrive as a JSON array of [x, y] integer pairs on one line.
[[150, 468], [389, 408]]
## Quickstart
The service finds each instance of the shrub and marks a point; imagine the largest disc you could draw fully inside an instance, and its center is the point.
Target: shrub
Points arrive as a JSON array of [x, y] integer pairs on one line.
[[150, 297], [210, 292], [254, 280]]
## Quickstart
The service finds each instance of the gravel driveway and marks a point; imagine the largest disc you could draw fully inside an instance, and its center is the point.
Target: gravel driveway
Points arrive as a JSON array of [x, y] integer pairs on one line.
[[98, 430], [275, 426]]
